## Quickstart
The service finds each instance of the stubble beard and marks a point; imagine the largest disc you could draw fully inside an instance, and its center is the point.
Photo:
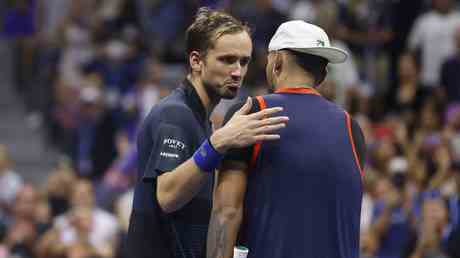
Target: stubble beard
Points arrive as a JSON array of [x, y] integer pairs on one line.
[[216, 93]]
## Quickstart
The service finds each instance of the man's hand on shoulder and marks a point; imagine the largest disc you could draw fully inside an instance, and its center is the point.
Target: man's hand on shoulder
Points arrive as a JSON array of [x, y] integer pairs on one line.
[[245, 129]]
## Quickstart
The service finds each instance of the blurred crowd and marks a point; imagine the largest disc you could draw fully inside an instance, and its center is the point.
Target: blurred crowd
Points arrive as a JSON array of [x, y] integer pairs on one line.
[[88, 72]]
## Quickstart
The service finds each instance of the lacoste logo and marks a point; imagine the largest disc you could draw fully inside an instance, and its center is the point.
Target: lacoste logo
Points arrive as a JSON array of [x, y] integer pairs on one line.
[[320, 43]]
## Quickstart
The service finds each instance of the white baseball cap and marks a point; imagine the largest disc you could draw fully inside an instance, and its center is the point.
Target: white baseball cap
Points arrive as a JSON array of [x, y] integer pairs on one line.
[[306, 38]]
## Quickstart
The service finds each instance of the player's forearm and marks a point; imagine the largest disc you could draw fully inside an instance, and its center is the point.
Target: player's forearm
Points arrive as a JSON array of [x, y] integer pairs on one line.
[[178, 187], [227, 209], [223, 230]]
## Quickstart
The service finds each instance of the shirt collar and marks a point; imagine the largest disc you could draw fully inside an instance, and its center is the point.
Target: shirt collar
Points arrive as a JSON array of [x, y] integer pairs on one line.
[[298, 90], [193, 101]]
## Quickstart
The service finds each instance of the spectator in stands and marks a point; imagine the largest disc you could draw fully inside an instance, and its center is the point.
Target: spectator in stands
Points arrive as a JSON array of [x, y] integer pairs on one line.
[[123, 211], [59, 189], [433, 225], [367, 26], [453, 245], [19, 25], [98, 227], [77, 47], [264, 18], [409, 95], [10, 181], [341, 77], [96, 135], [434, 44], [450, 77], [392, 218], [23, 227]]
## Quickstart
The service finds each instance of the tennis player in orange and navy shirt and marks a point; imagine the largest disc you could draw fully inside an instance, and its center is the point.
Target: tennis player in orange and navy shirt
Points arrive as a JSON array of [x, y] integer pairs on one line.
[[299, 196]]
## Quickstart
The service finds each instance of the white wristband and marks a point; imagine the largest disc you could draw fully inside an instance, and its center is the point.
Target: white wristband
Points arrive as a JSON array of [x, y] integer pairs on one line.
[[240, 252]]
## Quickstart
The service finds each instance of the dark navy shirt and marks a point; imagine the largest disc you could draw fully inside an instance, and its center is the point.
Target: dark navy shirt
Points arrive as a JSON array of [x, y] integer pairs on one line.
[[398, 234], [171, 133], [450, 78], [19, 22], [304, 192]]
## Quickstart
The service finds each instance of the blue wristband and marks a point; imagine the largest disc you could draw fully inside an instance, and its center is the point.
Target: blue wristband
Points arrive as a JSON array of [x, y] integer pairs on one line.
[[207, 158]]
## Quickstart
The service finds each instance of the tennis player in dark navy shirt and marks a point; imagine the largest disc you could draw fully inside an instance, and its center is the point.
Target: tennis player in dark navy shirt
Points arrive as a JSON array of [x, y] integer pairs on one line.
[[299, 196], [178, 153]]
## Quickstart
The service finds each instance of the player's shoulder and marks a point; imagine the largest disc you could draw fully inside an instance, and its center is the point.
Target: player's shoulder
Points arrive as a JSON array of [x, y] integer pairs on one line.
[[172, 109], [238, 104]]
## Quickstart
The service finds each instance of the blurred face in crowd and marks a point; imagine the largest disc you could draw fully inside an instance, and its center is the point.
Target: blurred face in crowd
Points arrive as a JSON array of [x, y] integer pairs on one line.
[[442, 6], [92, 104], [59, 182], [223, 67], [81, 219], [407, 67], [263, 4], [83, 194], [26, 200], [435, 211], [22, 232], [59, 190], [385, 151], [429, 118], [80, 250], [116, 51]]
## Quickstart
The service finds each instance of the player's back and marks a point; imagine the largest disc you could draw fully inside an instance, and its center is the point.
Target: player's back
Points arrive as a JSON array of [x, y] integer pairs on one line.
[[304, 192]]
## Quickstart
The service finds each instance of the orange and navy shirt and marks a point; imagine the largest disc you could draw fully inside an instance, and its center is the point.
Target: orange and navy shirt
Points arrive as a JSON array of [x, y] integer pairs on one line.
[[304, 191]]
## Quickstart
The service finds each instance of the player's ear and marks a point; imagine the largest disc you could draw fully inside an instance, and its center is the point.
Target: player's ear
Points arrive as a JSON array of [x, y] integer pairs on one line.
[[322, 76], [195, 60], [278, 63]]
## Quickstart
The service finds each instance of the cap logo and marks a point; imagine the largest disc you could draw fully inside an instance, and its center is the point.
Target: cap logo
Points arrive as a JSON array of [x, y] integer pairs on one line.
[[320, 43]]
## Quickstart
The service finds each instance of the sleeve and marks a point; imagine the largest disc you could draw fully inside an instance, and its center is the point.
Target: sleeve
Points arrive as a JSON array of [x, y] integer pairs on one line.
[[444, 74], [243, 154], [453, 243], [172, 146], [415, 36], [360, 142]]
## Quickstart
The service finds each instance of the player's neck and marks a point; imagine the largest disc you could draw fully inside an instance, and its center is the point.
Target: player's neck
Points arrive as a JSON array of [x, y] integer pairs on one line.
[[295, 80], [208, 102]]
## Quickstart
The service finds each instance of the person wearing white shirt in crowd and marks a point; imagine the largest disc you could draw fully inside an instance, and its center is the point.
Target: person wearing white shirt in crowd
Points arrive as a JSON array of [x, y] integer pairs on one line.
[[101, 227], [433, 34], [10, 181]]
